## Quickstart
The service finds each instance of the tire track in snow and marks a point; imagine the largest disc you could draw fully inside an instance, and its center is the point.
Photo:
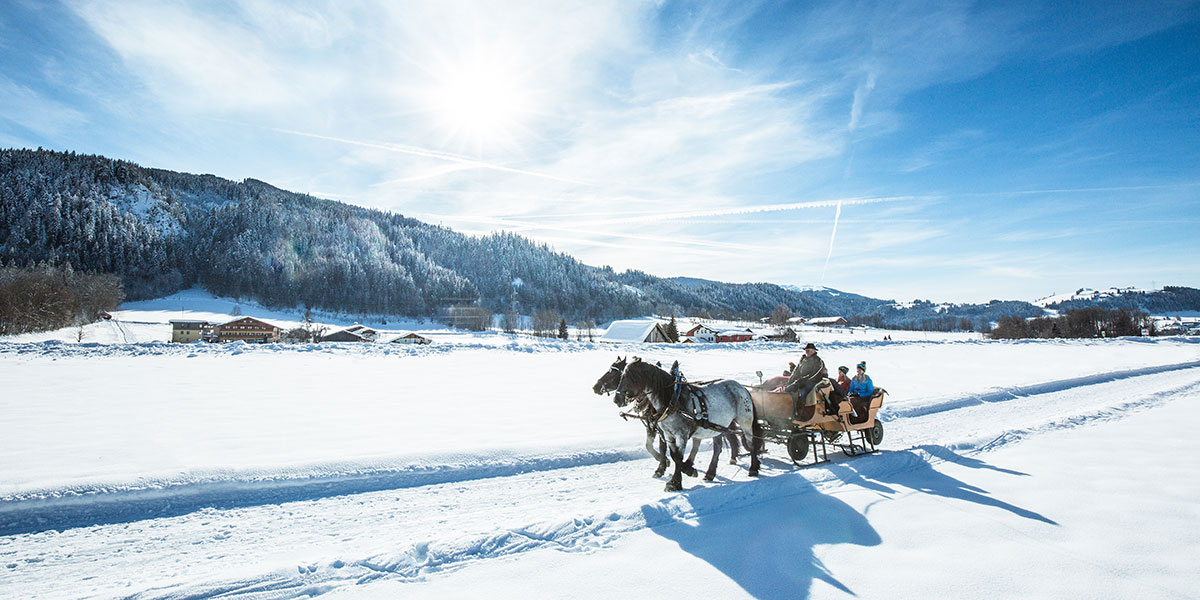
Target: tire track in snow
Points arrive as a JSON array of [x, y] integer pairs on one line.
[[913, 409]]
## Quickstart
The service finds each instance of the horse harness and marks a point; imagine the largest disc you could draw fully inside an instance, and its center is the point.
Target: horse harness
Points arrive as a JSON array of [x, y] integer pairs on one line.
[[644, 411], [677, 404]]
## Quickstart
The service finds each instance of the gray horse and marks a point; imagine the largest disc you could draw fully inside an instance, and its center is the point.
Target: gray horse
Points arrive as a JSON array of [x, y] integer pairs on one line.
[[608, 383], [696, 413]]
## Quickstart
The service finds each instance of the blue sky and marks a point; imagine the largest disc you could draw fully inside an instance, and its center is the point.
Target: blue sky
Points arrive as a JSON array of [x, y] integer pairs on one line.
[[941, 150]]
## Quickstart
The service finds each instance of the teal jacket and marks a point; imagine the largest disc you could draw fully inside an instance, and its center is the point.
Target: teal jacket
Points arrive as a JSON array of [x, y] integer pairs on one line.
[[862, 386]]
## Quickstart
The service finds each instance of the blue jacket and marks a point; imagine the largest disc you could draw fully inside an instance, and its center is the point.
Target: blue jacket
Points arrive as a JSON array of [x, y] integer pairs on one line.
[[862, 388]]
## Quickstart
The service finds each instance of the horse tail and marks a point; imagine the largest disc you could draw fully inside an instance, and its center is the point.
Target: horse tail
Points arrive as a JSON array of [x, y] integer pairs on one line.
[[756, 440]]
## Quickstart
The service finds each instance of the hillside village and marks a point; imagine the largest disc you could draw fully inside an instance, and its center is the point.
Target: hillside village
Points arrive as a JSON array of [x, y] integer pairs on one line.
[[257, 331], [627, 331], [645, 331]]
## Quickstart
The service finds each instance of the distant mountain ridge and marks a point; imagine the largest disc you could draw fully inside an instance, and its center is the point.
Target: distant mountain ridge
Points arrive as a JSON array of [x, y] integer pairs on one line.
[[1169, 299], [163, 231]]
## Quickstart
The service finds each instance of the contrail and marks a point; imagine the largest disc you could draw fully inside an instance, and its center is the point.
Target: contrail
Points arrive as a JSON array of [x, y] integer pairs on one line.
[[832, 235], [749, 210], [455, 158]]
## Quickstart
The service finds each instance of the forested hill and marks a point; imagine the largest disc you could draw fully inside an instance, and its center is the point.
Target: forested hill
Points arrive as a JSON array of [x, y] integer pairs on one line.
[[1170, 299], [163, 231]]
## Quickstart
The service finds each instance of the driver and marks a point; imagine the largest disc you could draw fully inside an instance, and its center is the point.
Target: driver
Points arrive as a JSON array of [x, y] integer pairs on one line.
[[807, 374]]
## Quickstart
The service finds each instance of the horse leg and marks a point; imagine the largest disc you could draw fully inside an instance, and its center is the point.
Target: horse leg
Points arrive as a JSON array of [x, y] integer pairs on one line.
[[689, 465], [660, 454], [756, 442], [734, 451], [712, 464], [675, 484]]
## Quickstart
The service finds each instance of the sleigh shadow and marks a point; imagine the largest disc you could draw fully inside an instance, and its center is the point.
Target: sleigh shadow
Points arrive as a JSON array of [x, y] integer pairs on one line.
[[763, 534]]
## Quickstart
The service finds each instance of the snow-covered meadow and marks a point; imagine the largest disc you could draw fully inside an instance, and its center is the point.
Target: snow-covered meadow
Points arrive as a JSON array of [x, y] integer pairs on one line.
[[485, 465]]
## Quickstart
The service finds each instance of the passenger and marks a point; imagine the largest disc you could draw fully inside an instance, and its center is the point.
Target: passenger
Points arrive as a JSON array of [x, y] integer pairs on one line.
[[807, 374], [861, 385], [788, 371], [843, 381]]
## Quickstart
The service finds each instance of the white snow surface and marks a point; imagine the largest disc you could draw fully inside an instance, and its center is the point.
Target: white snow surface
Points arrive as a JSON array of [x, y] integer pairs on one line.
[[485, 466]]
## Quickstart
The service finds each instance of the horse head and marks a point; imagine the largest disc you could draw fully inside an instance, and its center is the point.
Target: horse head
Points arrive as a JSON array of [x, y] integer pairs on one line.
[[608, 381], [638, 380]]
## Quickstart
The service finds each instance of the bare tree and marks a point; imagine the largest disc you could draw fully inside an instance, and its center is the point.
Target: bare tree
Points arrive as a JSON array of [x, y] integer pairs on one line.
[[781, 314], [545, 323], [510, 321]]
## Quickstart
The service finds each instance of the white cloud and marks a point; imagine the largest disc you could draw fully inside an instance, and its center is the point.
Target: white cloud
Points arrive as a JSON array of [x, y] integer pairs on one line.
[[40, 115]]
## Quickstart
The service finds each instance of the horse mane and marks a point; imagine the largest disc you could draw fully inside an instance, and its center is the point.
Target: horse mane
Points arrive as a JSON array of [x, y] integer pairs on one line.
[[649, 377]]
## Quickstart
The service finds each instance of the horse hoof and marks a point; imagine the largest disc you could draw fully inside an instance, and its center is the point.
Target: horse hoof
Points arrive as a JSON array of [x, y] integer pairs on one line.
[[674, 487], [709, 477], [753, 473], [659, 473], [691, 473]]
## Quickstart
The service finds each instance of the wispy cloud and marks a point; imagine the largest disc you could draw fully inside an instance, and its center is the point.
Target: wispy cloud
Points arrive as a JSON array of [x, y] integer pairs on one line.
[[464, 161], [737, 140]]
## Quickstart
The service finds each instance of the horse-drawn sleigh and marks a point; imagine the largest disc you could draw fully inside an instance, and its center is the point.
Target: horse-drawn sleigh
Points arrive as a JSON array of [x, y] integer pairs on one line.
[[675, 411], [815, 428]]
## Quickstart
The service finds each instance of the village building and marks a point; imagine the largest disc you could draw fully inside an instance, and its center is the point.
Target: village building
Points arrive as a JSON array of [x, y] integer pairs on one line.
[[247, 329], [411, 338], [827, 322], [699, 333], [635, 331], [356, 333], [734, 335], [186, 331], [775, 334]]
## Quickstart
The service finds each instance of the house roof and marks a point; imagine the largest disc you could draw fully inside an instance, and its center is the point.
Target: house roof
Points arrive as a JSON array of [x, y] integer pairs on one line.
[[346, 332], [820, 320], [261, 322], [407, 334], [630, 331]]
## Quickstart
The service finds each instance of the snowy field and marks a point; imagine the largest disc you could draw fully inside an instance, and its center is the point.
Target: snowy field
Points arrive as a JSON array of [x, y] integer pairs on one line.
[[486, 467]]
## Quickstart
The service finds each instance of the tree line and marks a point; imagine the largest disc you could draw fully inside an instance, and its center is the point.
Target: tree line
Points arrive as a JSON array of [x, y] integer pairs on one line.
[[1091, 322], [45, 297]]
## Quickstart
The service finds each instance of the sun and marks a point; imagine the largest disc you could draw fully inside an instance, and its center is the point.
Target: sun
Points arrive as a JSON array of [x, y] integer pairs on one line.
[[481, 100]]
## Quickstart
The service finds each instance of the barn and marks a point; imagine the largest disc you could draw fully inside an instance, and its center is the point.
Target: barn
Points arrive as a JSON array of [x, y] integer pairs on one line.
[[635, 332]]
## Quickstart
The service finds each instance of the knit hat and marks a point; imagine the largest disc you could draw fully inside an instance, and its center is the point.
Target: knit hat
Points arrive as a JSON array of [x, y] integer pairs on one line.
[[844, 369], [863, 365]]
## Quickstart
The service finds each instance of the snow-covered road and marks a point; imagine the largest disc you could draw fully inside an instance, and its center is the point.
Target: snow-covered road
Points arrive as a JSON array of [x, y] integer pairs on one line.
[[527, 507]]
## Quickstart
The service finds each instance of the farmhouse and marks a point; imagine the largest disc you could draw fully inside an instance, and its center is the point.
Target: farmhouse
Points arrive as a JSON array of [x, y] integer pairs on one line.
[[357, 333], [187, 331], [632, 331], [734, 335], [411, 338], [699, 333], [827, 322], [247, 329]]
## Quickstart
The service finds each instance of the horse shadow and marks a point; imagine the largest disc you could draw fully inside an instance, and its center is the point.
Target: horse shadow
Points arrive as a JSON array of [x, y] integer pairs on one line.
[[762, 534]]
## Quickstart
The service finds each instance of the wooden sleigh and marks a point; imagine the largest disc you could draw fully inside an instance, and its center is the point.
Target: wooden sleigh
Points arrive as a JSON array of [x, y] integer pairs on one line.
[[814, 430]]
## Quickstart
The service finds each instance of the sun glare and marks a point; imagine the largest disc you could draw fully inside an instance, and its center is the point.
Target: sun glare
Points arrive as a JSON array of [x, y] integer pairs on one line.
[[481, 101]]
